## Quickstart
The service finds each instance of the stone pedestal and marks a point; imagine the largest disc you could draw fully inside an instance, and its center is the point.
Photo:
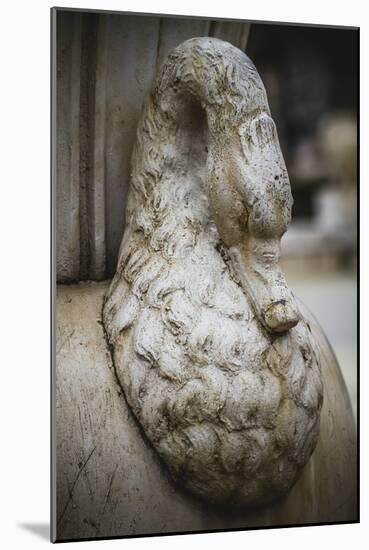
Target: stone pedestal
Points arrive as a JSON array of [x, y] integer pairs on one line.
[[110, 482]]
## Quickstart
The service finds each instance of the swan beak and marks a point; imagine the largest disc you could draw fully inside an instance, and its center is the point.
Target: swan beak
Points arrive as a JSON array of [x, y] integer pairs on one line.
[[267, 289], [280, 316]]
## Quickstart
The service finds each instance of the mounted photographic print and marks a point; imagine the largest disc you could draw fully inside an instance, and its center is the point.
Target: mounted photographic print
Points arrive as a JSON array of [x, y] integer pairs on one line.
[[204, 373]]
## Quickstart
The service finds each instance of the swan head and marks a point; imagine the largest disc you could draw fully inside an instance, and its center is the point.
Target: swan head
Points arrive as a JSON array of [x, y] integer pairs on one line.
[[251, 201]]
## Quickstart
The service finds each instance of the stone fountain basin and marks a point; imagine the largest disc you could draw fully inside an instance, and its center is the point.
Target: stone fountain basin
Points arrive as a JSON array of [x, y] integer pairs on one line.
[[110, 481]]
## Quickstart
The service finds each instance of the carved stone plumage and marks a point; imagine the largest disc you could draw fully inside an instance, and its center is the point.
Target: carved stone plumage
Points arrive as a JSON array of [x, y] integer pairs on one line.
[[208, 344]]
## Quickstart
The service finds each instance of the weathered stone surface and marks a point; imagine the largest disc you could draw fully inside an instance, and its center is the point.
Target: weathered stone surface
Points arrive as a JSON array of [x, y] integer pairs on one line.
[[235, 32], [67, 146], [106, 64], [110, 481], [215, 360]]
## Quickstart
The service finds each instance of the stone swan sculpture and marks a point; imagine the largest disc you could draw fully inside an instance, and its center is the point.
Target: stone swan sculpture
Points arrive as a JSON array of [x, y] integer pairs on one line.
[[215, 360]]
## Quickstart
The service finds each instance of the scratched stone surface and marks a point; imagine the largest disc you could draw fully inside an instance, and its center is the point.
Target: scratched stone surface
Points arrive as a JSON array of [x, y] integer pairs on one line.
[[110, 481]]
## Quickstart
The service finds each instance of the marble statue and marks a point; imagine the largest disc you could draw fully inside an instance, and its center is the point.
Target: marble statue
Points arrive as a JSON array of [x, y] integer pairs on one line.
[[214, 358]]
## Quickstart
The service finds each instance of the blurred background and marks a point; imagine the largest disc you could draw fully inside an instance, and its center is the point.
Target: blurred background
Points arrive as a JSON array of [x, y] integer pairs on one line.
[[310, 75]]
